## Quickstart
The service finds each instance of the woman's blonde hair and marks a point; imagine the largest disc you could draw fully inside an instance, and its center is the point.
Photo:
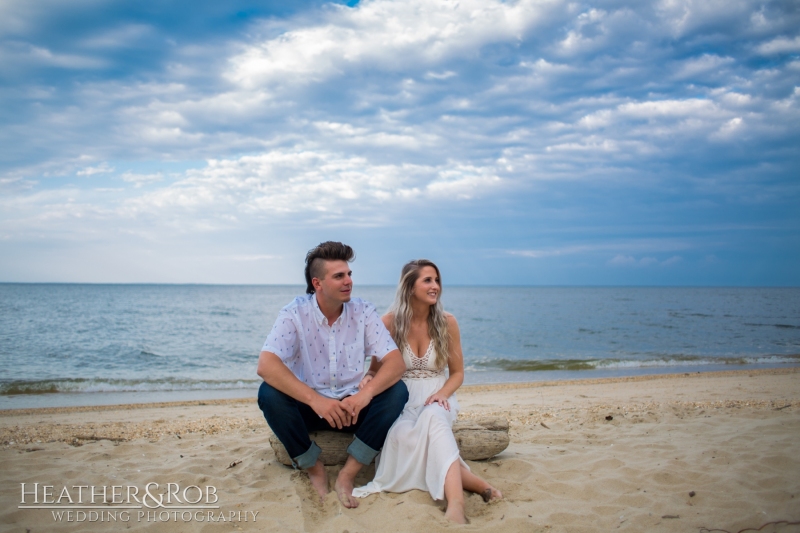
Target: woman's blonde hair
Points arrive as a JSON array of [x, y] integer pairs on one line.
[[402, 312]]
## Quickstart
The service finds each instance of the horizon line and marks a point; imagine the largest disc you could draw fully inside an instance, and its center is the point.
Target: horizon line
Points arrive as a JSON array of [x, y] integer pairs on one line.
[[207, 284]]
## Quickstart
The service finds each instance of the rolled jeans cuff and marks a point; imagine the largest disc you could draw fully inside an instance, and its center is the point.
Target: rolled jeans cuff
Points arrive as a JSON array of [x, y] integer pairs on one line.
[[309, 458], [361, 452]]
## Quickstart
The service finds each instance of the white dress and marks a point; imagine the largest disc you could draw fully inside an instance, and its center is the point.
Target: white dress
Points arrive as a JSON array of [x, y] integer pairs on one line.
[[420, 446]]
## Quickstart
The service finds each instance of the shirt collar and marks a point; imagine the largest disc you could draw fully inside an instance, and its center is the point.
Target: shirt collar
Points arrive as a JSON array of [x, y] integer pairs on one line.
[[320, 317]]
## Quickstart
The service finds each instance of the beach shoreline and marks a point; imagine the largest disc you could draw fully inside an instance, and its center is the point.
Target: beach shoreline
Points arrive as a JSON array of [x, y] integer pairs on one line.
[[45, 400], [585, 455], [463, 389]]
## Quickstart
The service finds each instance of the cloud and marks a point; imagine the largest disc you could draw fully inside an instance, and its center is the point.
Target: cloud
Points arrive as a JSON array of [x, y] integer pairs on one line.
[[440, 75], [102, 168], [729, 129], [640, 245], [568, 250], [704, 64], [780, 45], [322, 183], [469, 80], [692, 107], [255, 257], [228, 193], [621, 260], [140, 180], [512, 118], [414, 33], [124, 35], [21, 54]]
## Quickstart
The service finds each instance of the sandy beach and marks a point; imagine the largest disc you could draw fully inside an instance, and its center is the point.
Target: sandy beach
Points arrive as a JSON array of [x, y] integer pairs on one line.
[[686, 452]]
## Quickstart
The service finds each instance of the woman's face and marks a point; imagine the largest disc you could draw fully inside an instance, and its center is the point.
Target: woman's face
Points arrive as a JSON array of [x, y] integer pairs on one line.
[[427, 288]]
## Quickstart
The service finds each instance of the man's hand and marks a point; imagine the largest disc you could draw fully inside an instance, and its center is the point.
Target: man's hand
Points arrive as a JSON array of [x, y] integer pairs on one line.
[[355, 403], [333, 411]]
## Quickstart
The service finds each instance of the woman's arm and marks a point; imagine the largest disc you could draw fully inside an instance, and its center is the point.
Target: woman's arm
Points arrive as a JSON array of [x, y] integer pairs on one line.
[[455, 364]]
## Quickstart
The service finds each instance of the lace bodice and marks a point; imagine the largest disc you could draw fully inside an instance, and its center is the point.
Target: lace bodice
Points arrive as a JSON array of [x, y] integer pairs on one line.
[[420, 367]]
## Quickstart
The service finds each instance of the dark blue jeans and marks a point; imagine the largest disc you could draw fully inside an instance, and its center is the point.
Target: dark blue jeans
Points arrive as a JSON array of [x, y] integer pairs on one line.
[[291, 421]]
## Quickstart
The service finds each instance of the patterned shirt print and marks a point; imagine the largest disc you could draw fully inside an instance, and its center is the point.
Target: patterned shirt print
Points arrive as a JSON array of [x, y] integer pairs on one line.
[[329, 358]]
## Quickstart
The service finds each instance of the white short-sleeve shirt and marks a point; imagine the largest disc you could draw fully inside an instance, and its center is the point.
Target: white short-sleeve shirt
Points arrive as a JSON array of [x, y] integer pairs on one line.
[[329, 358]]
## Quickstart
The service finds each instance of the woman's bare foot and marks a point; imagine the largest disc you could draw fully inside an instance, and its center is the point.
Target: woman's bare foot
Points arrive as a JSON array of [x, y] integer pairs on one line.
[[455, 513], [490, 494], [319, 479]]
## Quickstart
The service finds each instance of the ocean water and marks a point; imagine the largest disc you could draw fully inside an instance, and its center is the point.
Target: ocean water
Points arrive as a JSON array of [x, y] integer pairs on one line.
[[73, 344]]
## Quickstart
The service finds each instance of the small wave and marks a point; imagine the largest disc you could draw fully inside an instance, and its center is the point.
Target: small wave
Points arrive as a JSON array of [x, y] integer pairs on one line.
[[51, 386], [780, 326], [522, 365]]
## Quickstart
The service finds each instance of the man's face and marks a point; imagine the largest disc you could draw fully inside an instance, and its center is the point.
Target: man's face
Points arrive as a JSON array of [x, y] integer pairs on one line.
[[337, 282]]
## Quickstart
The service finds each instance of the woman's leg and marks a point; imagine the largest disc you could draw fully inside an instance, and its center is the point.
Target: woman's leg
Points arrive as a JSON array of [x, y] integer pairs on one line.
[[454, 494], [473, 483]]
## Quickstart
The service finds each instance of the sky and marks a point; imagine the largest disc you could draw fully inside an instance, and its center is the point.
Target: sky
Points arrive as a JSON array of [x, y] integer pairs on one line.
[[529, 142]]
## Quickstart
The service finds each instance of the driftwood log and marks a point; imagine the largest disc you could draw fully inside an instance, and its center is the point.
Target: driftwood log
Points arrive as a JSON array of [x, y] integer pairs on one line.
[[477, 439]]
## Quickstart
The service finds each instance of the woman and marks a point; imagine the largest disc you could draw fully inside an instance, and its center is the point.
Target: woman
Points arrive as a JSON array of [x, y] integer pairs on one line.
[[420, 451]]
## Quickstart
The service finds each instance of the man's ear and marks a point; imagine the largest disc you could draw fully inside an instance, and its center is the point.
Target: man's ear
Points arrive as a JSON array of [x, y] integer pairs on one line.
[[316, 284]]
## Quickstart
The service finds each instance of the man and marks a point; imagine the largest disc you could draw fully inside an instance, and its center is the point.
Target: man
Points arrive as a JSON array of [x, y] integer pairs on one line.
[[312, 364]]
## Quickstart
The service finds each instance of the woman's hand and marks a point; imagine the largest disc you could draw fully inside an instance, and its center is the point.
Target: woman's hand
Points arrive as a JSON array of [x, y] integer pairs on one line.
[[439, 398], [367, 378]]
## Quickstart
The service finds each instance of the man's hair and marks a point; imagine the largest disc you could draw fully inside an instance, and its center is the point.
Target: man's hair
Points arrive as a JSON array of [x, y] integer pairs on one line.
[[316, 257]]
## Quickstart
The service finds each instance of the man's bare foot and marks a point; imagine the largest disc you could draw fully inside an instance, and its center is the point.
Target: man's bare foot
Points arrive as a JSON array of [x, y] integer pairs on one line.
[[491, 494], [455, 513], [344, 483], [319, 479], [344, 490]]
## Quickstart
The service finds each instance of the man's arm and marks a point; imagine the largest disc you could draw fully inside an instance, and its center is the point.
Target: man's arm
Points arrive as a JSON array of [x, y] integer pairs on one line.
[[375, 365], [277, 375], [390, 371]]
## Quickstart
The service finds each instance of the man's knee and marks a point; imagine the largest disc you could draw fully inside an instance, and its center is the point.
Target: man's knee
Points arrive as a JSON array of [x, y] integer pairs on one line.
[[396, 396], [269, 397]]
